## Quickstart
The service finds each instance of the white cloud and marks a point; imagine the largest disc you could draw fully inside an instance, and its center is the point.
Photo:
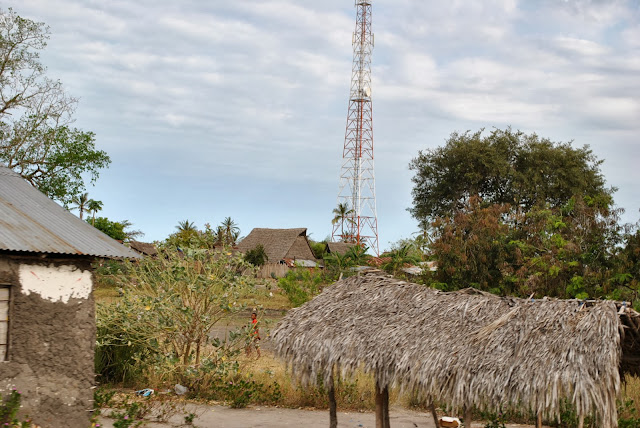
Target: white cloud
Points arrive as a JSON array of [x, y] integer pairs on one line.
[[197, 92]]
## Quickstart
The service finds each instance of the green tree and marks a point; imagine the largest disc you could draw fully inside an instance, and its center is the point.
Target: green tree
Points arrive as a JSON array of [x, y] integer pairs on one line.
[[256, 256], [36, 137], [165, 317], [81, 203], [503, 167], [228, 232], [93, 207], [341, 214], [517, 214], [115, 229], [407, 254]]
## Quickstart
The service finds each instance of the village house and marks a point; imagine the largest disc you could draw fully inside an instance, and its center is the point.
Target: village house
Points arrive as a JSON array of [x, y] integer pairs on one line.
[[285, 249], [47, 311]]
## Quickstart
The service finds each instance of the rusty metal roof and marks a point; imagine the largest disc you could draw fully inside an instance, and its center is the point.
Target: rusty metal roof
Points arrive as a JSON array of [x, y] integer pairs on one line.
[[30, 221]]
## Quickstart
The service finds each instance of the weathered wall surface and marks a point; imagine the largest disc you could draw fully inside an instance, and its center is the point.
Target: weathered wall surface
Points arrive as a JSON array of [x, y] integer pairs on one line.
[[51, 338]]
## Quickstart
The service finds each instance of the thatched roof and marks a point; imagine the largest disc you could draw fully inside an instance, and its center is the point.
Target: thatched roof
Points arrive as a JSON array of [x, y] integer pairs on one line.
[[338, 247], [279, 244], [145, 248], [465, 347]]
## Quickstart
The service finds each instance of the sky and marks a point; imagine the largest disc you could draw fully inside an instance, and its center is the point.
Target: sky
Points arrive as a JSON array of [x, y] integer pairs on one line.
[[216, 108]]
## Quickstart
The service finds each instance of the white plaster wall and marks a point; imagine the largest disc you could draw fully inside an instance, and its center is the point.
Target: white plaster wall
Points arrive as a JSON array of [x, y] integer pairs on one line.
[[55, 283]]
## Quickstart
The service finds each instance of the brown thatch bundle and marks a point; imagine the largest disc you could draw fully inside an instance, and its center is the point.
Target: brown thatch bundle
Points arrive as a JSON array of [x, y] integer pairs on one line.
[[466, 348]]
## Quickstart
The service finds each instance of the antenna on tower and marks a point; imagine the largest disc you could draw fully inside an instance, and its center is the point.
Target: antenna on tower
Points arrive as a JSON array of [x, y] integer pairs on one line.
[[357, 181]]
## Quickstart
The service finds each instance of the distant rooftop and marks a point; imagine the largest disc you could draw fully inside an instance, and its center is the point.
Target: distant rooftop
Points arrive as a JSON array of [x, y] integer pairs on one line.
[[31, 222]]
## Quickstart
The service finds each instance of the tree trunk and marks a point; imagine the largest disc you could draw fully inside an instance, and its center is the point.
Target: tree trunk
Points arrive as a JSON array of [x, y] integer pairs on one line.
[[539, 420], [581, 421], [333, 405]]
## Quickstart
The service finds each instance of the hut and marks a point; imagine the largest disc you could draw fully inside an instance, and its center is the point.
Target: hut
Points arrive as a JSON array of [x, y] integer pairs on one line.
[[468, 348], [338, 247], [285, 248], [47, 311], [144, 248]]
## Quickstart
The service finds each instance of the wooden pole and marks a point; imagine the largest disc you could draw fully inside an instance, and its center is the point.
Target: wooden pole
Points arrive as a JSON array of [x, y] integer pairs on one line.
[[333, 405], [467, 416], [432, 407], [379, 407], [385, 406], [539, 421]]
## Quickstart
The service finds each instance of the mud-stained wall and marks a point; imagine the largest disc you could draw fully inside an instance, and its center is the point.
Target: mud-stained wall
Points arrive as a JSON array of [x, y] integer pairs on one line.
[[51, 338]]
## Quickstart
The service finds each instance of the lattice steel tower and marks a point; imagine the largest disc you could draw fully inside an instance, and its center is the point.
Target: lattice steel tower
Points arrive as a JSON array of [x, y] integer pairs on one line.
[[357, 180]]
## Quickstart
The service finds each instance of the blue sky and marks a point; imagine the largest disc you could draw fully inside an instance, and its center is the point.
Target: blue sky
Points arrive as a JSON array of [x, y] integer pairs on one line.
[[238, 108]]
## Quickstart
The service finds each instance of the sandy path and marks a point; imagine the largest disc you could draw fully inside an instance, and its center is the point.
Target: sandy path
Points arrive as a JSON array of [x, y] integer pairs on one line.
[[272, 417]]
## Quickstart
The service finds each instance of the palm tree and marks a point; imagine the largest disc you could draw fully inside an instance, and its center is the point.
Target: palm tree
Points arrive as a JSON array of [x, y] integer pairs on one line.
[[186, 226], [130, 233], [342, 213], [230, 231], [93, 207], [80, 202], [405, 255]]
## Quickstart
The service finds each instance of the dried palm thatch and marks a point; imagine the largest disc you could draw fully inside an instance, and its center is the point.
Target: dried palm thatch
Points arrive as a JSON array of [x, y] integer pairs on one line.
[[467, 348], [279, 243]]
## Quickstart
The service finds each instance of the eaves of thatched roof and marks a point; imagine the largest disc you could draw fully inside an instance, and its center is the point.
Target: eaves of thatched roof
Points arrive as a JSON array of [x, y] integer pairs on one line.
[[279, 243], [145, 248], [338, 247], [466, 348]]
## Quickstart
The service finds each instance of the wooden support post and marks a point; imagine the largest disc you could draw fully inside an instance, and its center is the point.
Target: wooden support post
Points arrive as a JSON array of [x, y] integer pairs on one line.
[[432, 407], [581, 421], [379, 408], [385, 407], [467, 416], [333, 405], [539, 420]]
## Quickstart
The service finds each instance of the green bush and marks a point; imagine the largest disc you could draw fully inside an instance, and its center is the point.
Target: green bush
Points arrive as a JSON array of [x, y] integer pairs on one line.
[[256, 256], [169, 306], [301, 285]]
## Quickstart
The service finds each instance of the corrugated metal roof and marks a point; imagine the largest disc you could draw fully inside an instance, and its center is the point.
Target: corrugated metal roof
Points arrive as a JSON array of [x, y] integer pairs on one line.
[[30, 221]]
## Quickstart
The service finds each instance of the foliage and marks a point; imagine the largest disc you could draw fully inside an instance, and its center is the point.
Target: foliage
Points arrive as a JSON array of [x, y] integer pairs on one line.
[[36, 139], [628, 414], [566, 252], [169, 306], [115, 229], [188, 235], [228, 232], [504, 167], [515, 214], [80, 202], [319, 248], [9, 411], [93, 207], [301, 285], [340, 265], [341, 214], [400, 257], [496, 421], [256, 256]]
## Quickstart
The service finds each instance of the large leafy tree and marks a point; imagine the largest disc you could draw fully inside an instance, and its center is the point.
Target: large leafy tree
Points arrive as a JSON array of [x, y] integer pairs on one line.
[[518, 214], [502, 167], [36, 136]]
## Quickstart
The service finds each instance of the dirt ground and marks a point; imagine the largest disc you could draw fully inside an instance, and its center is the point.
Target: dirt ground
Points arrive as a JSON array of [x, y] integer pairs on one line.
[[272, 417]]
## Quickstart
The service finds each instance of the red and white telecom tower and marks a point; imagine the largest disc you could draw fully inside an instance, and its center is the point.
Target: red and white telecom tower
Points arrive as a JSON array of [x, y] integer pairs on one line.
[[357, 180]]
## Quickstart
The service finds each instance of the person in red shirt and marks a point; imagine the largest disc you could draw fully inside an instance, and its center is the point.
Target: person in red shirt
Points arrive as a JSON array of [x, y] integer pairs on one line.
[[255, 335]]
